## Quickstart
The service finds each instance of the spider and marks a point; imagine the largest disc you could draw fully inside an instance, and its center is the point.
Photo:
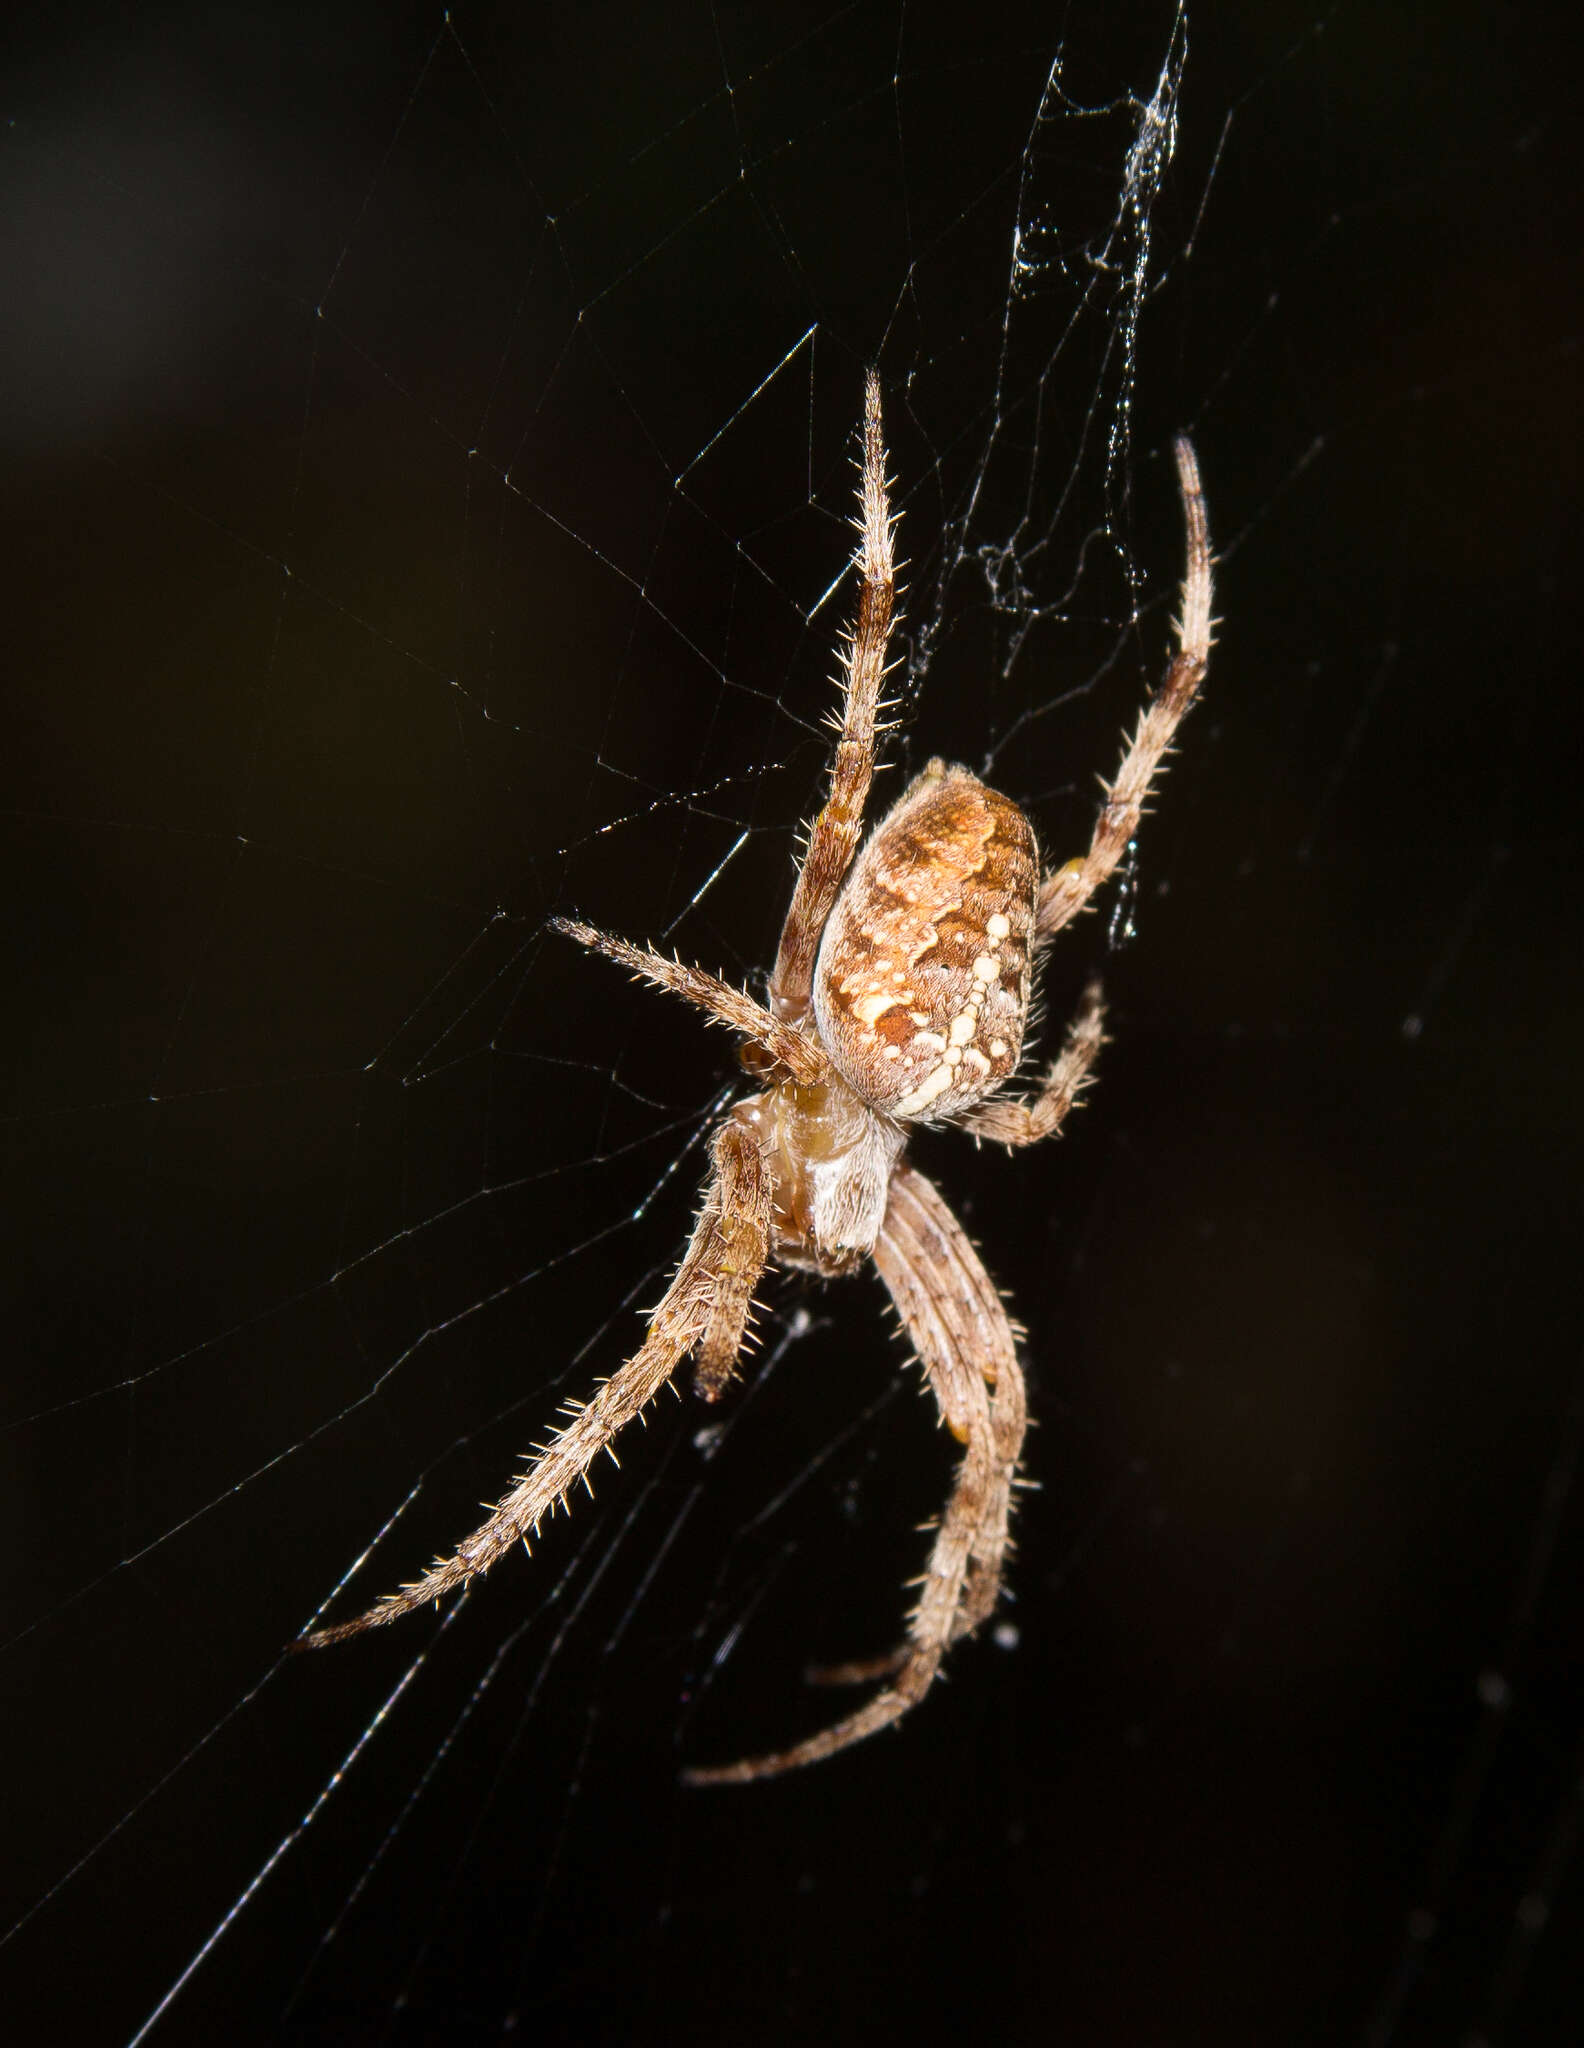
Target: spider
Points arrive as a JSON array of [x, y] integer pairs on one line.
[[899, 996]]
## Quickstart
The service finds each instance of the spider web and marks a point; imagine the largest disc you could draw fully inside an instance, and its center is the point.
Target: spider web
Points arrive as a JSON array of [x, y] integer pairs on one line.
[[430, 462]]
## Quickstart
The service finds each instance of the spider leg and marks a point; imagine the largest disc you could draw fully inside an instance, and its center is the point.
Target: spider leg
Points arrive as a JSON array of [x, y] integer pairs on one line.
[[696, 1309], [738, 1011], [1025, 1123], [987, 1555], [955, 1318], [833, 837], [982, 1583], [1065, 893]]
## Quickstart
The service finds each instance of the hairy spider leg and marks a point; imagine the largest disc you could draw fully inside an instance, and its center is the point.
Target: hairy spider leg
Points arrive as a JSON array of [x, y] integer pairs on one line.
[[691, 1312], [954, 1315], [1065, 893], [1008, 1423], [720, 1002], [834, 835]]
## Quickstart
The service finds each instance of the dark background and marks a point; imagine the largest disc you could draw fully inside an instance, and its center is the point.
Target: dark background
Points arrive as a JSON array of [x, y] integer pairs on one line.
[[395, 558]]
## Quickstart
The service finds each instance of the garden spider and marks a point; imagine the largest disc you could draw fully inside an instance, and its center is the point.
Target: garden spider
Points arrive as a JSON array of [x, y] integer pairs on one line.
[[899, 997]]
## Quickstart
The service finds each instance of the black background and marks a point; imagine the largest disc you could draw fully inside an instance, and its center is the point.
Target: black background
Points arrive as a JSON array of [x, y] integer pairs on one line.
[[358, 375]]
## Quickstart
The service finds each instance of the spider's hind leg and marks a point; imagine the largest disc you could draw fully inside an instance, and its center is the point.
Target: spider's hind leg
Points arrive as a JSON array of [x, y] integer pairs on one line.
[[981, 1587], [955, 1318]]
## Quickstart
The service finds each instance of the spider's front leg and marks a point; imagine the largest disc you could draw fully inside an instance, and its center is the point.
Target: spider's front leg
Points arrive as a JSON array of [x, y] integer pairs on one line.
[[834, 835], [954, 1316], [707, 1306]]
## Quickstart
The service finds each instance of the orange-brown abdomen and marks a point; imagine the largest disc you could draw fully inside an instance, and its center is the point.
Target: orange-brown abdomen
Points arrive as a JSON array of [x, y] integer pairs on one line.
[[921, 990]]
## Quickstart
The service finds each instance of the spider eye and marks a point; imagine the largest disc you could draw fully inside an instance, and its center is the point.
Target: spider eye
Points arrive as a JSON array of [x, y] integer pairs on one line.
[[921, 991]]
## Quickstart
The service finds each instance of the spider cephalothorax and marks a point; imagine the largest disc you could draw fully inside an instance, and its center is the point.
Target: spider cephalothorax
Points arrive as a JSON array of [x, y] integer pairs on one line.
[[899, 996]]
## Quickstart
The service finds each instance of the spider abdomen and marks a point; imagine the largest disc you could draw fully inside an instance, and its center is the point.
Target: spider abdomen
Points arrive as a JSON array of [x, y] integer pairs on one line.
[[921, 990]]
